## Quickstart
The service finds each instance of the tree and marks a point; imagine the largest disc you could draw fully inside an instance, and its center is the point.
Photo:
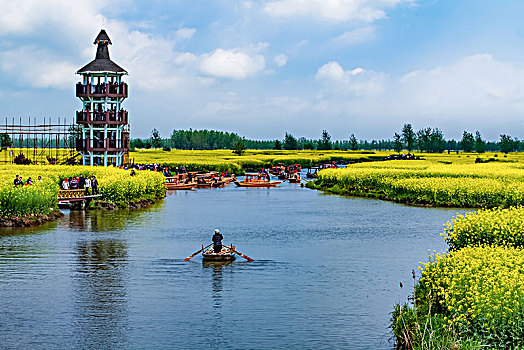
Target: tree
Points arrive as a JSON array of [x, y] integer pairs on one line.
[[480, 144], [156, 140], [290, 143], [398, 143], [468, 142], [5, 141], [353, 142], [409, 137], [507, 144], [325, 141], [278, 145], [424, 139], [309, 146], [240, 148], [437, 142], [136, 143]]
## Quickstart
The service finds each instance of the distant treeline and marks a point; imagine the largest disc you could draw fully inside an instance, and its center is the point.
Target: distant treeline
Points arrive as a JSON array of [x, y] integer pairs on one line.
[[424, 140]]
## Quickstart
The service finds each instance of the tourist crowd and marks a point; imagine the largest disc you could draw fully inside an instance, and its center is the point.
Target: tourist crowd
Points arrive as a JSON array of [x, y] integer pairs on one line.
[[88, 184], [19, 182]]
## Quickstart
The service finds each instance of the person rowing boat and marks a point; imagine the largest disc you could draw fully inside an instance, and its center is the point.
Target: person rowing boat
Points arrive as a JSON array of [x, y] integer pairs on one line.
[[217, 241]]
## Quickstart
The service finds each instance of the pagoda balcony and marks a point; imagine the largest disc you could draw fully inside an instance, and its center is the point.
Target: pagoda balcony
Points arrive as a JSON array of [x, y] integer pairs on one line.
[[97, 118], [101, 90], [108, 145]]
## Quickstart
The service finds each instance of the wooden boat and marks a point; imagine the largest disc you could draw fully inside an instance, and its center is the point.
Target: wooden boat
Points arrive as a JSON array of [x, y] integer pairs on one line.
[[180, 187], [294, 178], [310, 174], [220, 183], [174, 183], [227, 254], [255, 180]]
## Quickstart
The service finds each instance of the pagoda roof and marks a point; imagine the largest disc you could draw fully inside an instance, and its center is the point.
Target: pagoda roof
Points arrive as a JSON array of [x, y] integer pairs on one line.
[[102, 62], [101, 37], [102, 65]]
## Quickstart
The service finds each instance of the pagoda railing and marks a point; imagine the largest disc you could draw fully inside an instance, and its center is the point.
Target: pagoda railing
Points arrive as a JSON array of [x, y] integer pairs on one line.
[[107, 117], [102, 90], [110, 145]]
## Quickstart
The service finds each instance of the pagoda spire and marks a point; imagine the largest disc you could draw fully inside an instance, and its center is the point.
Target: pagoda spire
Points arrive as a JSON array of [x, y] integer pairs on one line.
[[102, 51]]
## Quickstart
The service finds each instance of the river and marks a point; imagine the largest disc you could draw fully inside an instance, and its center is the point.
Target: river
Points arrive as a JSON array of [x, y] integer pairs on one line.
[[326, 273]]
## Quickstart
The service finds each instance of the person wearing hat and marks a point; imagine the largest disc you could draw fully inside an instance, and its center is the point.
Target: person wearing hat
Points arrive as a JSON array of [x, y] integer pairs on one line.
[[217, 241]]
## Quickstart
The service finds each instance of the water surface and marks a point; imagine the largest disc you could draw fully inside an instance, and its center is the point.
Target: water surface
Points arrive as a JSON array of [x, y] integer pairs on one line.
[[326, 273]]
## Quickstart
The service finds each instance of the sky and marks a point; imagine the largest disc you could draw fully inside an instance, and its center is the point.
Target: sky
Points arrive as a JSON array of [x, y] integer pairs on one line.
[[264, 68]]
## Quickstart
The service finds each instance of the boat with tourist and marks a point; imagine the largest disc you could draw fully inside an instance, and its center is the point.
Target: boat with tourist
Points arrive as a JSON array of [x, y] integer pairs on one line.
[[255, 180], [226, 254], [178, 182], [294, 178]]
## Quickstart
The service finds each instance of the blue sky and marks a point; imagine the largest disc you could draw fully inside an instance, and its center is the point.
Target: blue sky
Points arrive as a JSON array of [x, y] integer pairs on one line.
[[263, 68]]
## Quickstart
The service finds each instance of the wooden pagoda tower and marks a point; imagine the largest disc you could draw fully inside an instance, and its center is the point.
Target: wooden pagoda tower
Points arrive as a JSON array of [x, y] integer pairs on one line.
[[103, 123]]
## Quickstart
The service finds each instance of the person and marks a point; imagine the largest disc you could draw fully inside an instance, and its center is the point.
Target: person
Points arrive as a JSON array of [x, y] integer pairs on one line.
[[73, 183], [81, 182], [29, 181], [133, 172], [94, 185], [18, 182], [217, 241], [39, 179], [87, 185], [65, 184]]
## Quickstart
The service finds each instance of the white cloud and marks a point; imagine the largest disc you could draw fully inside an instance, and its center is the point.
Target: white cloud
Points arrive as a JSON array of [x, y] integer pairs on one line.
[[331, 71], [471, 82], [356, 36], [185, 33], [280, 60], [356, 82], [234, 64], [333, 10], [37, 68], [474, 92]]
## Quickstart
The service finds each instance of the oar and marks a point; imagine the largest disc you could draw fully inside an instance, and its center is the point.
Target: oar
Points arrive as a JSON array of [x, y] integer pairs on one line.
[[196, 253], [242, 255]]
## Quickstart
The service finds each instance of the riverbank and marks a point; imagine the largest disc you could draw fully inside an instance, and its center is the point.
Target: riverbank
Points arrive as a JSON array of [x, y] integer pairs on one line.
[[471, 296], [30, 220], [37, 203], [429, 183]]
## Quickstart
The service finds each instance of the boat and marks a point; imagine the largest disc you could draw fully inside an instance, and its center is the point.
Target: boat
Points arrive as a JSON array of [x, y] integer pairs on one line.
[[176, 183], [255, 180], [294, 178], [227, 254], [203, 182], [310, 174]]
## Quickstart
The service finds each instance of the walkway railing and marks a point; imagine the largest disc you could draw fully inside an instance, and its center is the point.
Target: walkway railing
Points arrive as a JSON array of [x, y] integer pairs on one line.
[[71, 194]]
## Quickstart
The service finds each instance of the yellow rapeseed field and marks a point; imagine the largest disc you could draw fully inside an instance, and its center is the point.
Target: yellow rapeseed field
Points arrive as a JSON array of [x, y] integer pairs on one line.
[[115, 185], [482, 185], [486, 227], [480, 290], [222, 160]]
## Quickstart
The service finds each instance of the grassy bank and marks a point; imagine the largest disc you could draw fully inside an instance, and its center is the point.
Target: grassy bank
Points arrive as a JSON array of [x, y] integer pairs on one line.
[[222, 160], [456, 183], [40, 199], [473, 294]]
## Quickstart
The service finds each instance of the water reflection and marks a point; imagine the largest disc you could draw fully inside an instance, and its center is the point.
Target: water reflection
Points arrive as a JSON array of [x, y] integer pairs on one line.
[[100, 309], [101, 220], [217, 290]]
